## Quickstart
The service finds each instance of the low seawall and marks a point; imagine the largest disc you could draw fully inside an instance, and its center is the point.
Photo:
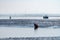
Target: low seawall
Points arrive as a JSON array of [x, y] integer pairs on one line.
[[32, 38]]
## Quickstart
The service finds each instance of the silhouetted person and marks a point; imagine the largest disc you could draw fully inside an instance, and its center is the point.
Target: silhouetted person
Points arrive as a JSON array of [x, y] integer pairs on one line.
[[10, 17], [35, 26]]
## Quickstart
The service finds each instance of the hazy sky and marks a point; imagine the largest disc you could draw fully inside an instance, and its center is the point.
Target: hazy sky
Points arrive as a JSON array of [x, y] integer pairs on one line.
[[29, 6]]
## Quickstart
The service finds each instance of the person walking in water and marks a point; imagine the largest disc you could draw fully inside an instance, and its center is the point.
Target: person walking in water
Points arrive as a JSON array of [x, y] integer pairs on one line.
[[35, 26]]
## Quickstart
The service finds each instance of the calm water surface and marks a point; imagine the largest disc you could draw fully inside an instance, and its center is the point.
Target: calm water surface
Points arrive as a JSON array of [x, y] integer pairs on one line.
[[6, 32]]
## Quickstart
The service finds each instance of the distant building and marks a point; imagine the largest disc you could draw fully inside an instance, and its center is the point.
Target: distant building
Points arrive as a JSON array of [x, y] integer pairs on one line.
[[45, 17]]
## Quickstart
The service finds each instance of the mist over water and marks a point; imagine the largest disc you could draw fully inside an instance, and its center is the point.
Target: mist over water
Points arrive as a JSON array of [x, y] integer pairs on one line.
[[30, 15]]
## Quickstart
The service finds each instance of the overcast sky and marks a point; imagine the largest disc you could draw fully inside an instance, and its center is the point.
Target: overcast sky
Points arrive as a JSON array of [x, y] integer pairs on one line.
[[29, 6]]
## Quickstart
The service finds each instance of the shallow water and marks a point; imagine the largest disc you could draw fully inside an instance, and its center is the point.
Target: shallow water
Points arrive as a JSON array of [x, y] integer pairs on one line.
[[6, 32]]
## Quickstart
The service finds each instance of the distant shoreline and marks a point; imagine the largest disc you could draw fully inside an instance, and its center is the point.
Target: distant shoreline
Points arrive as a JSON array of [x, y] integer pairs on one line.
[[28, 17]]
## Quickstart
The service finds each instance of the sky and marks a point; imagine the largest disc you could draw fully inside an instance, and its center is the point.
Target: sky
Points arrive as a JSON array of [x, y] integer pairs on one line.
[[29, 6]]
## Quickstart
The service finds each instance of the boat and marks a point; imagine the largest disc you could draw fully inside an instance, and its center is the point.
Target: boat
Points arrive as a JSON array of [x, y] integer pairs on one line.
[[45, 17]]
